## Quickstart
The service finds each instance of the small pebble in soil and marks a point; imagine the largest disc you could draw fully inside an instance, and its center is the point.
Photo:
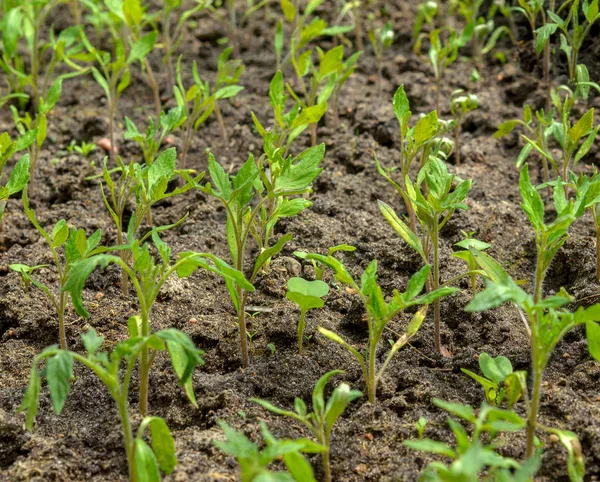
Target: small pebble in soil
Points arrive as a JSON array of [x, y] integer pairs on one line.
[[554, 438], [193, 320], [105, 144]]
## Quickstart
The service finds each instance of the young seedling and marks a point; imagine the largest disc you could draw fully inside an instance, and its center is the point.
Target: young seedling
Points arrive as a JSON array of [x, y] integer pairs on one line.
[[320, 422], [548, 321], [254, 463], [540, 131], [27, 20], [150, 141], [19, 176], [426, 13], [144, 461], [573, 32], [322, 81], [85, 148], [262, 192], [288, 125], [173, 33], [380, 313], [477, 453], [444, 44], [460, 104], [540, 36], [147, 185], [307, 295], [148, 275], [113, 75], [575, 140], [498, 380], [76, 247], [416, 143], [381, 39], [433, 208], [468, 244], [343, 74], [37, 124], [200, 100]]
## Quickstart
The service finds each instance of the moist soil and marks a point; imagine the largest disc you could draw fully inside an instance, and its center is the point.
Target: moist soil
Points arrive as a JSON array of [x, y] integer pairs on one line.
[[84, 443]]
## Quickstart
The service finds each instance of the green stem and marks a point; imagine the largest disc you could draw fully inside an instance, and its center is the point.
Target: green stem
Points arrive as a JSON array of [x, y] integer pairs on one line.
[[301, 326], [61, 320], [128, 435], [371, 383], [535, 403], [436, 282], [144, 366], [597, 251]]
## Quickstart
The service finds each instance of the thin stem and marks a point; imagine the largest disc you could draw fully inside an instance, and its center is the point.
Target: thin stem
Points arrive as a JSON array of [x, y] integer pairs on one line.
[[144, 365], [313, 134], [127, 434], [457, 141], [535, 403], [371, 383], [436, 282], [597, 248], [301, 326], [61, 319], [221, 122], [154, 86]]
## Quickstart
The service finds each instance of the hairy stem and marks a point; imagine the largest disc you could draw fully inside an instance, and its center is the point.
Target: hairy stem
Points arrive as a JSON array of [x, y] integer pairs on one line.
[[220, 121], [371, 382]]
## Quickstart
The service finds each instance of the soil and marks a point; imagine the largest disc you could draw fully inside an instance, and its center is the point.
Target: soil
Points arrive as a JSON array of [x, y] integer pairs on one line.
[[84, 442]]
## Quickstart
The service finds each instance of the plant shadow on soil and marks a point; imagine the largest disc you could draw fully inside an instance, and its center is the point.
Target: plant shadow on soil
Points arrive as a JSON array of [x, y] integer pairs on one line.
[[84, 442]]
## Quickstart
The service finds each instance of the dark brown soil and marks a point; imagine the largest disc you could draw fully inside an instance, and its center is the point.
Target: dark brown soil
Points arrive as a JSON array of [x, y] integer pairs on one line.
[[84, 442]]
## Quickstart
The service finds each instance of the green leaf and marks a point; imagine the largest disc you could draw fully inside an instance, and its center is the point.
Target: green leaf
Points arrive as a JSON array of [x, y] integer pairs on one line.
[[496, 369], [331, 61], [317, 396], [228, 91], [416, 282], [53, 95], [532, 201], [337, 403], [505, 128], [59, 371], [19, 176], [141, 48], [31, 398], [401, 228], [179, 361], [402, 109], [299, 173], [582, 127], [426, 128], [163, 445], [162, 167], [11, 29], [465, 412], [219, 178], [268, 253], [431, 446], [79, 273], [592, 331], [92, 342], [190, 261], [543, 34], [146, 465]]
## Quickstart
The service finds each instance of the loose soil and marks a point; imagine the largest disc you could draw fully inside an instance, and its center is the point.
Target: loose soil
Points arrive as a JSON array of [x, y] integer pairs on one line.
[[84, 442]]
